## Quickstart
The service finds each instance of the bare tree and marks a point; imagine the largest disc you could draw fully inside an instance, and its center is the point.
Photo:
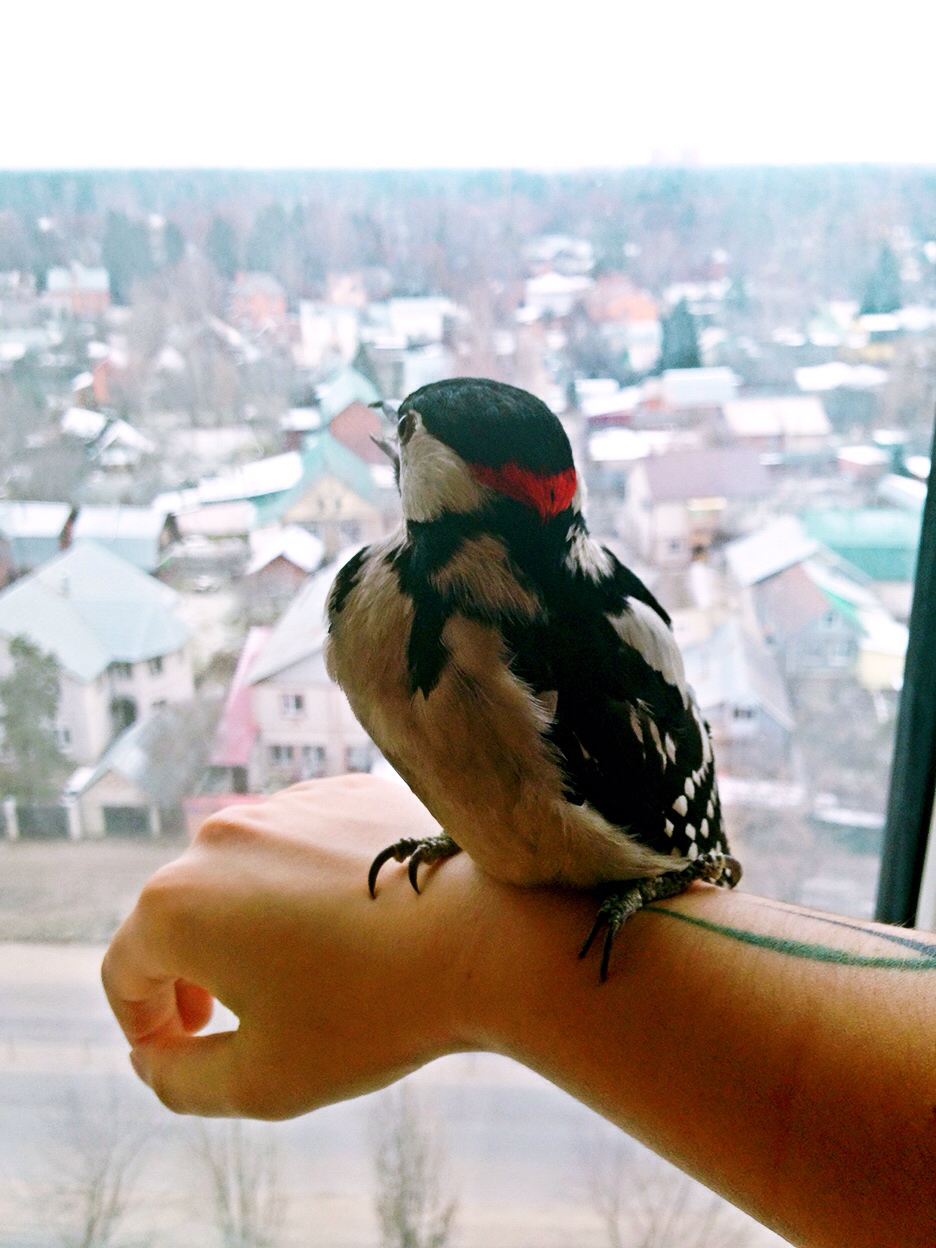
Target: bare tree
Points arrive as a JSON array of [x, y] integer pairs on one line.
[[95, 1163], [242, 1164], [413, 1208], [644, 1202]]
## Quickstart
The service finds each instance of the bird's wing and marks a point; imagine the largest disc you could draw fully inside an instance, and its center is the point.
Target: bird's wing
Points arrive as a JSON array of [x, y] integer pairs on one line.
[[632, 741]]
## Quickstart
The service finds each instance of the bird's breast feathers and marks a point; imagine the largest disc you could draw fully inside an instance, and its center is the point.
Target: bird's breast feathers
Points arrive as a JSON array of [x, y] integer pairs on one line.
[[477, 746]]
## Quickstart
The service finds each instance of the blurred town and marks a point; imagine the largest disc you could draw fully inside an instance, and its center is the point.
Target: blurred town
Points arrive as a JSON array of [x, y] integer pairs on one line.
[[745, 362]]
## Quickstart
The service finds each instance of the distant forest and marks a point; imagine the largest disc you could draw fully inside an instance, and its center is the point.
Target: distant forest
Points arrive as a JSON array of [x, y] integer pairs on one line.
[[814, 230]]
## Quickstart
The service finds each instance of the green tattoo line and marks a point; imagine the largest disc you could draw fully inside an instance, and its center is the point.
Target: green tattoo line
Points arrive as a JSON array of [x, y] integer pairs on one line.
[[801, 948], [928, 948]]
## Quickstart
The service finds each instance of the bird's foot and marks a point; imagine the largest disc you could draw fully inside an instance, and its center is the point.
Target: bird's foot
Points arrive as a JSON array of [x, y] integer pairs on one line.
[[427, 849], [624, 898]]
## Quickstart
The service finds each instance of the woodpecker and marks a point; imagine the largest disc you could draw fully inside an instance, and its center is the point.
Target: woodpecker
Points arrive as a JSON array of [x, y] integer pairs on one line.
[[523, 682]]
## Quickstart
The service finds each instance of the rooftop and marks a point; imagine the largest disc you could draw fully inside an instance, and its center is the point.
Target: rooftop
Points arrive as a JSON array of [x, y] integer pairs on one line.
[[714, 472], [90, 608], [301, 631]]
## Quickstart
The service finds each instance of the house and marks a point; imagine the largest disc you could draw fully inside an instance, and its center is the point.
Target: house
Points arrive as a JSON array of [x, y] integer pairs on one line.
[[688, 389], [743, 697], [110, 442], [121, 650], [677, 504], [78, 290], [810, 635], [226, 505], [305, 725], [356, 427], [297, 423], [141, 535], [258, 301], [281, 559], [628, 318], [819, 615], [334, 497], [790, 422], [882, 642], [767, 551], [411, 320], [554, 294], [231, 756], [138, 786], [881, 542], [344, 387], [30, 534], [328, 334]]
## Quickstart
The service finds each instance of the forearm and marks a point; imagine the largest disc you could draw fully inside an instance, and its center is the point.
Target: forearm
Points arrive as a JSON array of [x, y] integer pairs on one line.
[[802, 1088], [787, 1060]]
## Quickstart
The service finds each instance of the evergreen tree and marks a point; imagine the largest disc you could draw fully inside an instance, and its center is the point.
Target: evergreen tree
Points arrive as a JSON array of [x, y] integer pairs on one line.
[[221, 248], [173, 244], [126, 254], [271, 229], [680, 342], [34, 767], [882, 293]]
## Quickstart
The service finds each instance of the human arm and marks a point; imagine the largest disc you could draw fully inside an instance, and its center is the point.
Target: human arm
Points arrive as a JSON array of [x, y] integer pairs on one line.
[[803, 1089]]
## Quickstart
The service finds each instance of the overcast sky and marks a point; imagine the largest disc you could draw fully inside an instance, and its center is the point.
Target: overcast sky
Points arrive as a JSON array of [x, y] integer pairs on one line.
[[410, 83]]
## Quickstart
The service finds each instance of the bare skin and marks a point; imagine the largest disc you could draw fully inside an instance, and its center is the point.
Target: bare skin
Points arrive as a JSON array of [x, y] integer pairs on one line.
[[786, 1059]]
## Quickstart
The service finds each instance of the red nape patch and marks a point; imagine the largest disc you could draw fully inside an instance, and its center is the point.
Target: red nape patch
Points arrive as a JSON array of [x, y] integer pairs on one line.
[[548, 494]]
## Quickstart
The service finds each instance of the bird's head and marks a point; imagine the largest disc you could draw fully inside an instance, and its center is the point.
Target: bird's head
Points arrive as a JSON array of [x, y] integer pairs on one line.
[[466, 441]]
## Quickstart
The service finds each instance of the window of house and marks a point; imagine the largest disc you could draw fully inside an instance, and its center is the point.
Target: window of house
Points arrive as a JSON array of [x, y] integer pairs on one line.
[[292, 703], [358, 758], [155, 666], [281, 755], [313, 761], [121, 671]]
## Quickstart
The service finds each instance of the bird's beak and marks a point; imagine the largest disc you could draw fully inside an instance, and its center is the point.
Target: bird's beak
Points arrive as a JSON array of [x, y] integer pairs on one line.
[[389, 445], [391, 452]]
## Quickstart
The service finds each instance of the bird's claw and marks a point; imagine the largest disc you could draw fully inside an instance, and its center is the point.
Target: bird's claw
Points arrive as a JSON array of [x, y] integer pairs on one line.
[[627, 897], [426, 849]]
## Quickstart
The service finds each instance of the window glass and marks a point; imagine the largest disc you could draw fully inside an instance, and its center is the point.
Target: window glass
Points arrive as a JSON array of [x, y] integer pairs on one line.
[[744, 362]]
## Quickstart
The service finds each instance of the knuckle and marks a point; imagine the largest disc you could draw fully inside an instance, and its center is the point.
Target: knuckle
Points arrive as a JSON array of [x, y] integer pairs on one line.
[[164, 896]]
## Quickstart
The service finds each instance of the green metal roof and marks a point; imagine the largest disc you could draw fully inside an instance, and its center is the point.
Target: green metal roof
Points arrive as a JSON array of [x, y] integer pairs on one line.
[[323, 456], [90, 608], [881, 541], [346, 386]]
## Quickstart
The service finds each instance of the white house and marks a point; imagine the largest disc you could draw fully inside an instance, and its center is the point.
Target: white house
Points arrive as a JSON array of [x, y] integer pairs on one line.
[[676, 504], [121, 650], [305, 725]]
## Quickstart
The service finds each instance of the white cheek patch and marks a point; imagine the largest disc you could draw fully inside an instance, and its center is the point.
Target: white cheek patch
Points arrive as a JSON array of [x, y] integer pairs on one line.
[[643, 629], [433, 479]]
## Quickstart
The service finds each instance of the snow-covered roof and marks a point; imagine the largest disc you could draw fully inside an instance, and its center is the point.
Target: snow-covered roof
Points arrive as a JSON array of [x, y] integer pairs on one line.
[[837, 373], [290, 541], [906, 492], [798, 415], [778, 545], [90, 608], [33, 519], [131, 532], [608, 446], [82, 423], [698, 387], [254, 480]]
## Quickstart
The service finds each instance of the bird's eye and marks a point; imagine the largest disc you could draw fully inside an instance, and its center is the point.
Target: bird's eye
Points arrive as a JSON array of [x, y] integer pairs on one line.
[[406, 426]]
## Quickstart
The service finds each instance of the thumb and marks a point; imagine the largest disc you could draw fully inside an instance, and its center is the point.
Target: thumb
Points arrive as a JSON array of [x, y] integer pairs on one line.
[[196, 1074]]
